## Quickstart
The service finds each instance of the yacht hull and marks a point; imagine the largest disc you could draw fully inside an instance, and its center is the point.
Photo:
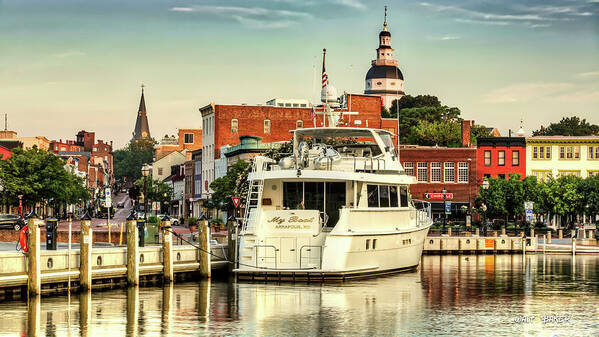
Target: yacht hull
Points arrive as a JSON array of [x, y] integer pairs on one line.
[[350, 256]]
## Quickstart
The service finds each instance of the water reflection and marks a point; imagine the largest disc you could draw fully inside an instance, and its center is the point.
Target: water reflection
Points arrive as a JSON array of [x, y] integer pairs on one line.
[[449, 295]]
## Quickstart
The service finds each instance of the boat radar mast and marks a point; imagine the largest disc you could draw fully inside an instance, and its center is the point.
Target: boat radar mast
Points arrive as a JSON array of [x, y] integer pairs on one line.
[[328, 95]]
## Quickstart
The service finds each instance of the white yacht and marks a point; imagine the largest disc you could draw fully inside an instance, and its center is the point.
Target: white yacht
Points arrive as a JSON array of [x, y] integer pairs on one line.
[[331, 212]]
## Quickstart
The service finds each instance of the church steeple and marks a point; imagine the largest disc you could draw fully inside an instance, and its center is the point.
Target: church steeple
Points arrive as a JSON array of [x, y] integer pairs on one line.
[[142, 129]]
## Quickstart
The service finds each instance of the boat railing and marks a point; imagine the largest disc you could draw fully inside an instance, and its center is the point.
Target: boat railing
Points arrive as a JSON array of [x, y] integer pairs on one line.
[[266, 257], [423, 212], [359, 164], [309, 249]]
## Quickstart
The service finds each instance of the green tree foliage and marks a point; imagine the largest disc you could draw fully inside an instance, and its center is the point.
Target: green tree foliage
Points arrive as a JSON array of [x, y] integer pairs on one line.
[[565, 197], [157, 190], [39, 176], [569, 126], [234, 183], [129, 160], [425, 121]]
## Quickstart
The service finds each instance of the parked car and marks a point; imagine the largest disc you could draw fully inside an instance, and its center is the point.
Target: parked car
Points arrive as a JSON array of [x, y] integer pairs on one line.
[[13, 221]]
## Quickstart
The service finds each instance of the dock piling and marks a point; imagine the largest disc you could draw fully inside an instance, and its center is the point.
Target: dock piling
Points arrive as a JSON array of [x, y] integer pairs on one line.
[[204, 247], [132, 251], [231, 242], [85, 251], [167, 250], [33, 255], [121, 235]]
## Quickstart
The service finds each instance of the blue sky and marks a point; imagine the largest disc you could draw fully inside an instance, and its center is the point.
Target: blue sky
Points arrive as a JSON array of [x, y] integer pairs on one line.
[[68, 65]]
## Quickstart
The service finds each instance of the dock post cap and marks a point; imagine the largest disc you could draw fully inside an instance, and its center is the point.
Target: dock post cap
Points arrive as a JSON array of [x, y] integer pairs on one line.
[[131, 216], [85, 217]]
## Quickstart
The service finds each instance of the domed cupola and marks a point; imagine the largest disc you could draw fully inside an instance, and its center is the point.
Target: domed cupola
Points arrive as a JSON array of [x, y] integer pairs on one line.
[[384, 78]]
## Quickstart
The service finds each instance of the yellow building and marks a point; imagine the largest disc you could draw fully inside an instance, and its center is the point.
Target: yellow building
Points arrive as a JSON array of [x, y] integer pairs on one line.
[[556, 156]]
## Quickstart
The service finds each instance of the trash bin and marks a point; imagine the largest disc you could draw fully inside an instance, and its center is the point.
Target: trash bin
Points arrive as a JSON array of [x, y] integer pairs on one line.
[[51, 233], [141, 229], [152, 233]]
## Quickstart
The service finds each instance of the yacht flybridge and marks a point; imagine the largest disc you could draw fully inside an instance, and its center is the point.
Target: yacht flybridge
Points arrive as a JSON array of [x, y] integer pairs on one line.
[[339, 207]]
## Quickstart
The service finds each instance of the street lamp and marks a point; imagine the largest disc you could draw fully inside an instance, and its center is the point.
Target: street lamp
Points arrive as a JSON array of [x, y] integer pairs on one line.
[[485, 186], [145, 171]]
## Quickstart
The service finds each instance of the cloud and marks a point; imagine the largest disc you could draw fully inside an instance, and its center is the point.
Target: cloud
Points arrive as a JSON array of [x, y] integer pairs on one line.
[[531, 16], [579, 96], [524, 92], [588, 74], [444, 38], [255, 17], [351, 3]]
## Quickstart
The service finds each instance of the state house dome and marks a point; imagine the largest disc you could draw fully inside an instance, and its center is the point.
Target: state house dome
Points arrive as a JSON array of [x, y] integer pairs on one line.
[[388, 72]]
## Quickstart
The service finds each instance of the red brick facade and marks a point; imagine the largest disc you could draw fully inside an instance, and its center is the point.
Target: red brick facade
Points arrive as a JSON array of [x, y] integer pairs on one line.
[[514, 157], [66, 146], [438, 161], [274, 123]]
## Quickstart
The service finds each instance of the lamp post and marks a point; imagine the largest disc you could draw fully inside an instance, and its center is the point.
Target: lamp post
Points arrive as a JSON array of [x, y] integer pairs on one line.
[[485, 186], [444, 207], [20, 196], [145, 171]]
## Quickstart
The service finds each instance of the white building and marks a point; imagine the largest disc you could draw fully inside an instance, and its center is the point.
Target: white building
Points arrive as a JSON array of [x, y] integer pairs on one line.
[[289, 102], [161, 168], [208, 120]]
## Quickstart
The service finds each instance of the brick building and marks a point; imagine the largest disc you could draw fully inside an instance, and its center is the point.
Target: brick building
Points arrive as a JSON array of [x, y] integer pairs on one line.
[[497, 157], [5, 153], [92, 158], [224, 124], [188, 139], [443, 168]]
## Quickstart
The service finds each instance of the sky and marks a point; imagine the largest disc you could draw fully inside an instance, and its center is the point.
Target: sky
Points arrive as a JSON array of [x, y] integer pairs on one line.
[[68, 65]]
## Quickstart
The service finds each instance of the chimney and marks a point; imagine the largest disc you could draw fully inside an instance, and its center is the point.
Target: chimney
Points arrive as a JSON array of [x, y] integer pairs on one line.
[[466, 126]]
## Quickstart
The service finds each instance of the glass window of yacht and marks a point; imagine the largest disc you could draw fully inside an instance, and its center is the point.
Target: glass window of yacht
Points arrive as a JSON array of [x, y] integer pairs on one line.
[[314, 195], [373, 195], [393, 196], [409, 168], [383, 196], [293, 195], [403, 196], [462, 172], [449, 172], [435, 172], [367, 244], [422, 172]]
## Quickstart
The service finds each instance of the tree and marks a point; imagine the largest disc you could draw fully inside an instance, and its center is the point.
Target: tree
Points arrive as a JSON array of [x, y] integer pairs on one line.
[[234, 183], [409, 101], [156, 190], [128, 161], [39, 176], [568, 126], [589, 188], [442, 133], [494, 198]]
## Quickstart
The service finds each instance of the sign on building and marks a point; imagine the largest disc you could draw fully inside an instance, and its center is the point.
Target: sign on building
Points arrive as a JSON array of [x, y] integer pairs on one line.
[[528, 207]]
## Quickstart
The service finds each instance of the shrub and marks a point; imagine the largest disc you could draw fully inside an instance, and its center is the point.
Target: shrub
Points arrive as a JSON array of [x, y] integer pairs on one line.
[[153, 219], [191, 221]]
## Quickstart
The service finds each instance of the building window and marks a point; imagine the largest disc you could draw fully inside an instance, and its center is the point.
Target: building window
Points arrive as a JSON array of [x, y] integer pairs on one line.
[[422, 172], [592, 173], [487, 158], [288, 105], [449, 172], [548, 152], [562, 173], [501, 158], [299, 124], [535, 152], [462, 172], [188, 138], [296, 105], [590, 153], [541, 175], [409, 168], [160, 171], [267, 126], [515, 158], [435, 172], [569, 152], [234, 125]]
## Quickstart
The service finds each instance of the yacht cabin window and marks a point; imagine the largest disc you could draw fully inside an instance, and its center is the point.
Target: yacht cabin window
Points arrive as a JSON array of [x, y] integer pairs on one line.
[[326, 197], [387, 196]]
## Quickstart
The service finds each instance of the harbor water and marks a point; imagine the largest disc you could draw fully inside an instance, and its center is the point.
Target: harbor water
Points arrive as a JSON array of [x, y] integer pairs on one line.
[[467, 295]]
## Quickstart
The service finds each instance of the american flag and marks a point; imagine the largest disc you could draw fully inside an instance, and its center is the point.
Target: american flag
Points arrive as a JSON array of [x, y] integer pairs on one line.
[[325, 77]]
